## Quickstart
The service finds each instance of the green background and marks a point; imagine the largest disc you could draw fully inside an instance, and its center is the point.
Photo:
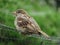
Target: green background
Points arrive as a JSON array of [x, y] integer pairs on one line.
[[46, 16]]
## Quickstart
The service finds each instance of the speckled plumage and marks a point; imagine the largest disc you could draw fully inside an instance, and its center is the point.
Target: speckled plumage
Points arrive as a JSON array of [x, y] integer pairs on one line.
[[26, 24]]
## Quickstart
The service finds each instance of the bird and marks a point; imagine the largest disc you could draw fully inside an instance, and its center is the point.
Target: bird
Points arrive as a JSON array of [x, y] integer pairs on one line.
[[26, 24]]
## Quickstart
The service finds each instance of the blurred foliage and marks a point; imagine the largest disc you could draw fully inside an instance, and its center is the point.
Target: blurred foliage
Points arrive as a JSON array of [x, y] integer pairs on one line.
[[46, 16]]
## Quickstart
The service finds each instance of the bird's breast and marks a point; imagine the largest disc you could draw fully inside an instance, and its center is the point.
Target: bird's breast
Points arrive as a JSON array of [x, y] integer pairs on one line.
[[20, 25]]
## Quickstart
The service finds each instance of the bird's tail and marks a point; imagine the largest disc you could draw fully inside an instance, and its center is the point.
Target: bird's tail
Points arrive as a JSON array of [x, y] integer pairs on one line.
[[44, 34]]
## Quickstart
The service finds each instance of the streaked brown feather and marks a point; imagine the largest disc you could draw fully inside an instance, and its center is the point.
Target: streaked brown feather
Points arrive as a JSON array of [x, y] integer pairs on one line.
[[30, 25], [23, 23]]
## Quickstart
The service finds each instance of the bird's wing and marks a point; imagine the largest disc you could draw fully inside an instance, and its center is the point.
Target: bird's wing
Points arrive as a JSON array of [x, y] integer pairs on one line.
[[34, 23], [31, 25], [26, 25], [22, 23], [36, 26]]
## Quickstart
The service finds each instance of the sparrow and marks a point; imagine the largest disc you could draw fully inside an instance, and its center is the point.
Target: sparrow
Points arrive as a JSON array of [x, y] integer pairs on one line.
[[26, 24]]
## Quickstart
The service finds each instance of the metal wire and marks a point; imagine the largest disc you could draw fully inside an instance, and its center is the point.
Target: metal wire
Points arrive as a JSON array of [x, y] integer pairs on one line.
[[2, 26], [6, 27]]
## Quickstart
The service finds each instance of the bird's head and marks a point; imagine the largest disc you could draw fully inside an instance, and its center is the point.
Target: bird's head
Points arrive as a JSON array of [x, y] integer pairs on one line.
[[19, 12]]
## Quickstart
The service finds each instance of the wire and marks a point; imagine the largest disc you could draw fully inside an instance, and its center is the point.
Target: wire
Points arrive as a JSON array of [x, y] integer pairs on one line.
[[55, 39], [4, 26], [7, 38]]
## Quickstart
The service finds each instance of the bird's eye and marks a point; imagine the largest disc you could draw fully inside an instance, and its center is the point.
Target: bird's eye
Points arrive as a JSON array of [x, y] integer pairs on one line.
[[18, 11], [21, 11]]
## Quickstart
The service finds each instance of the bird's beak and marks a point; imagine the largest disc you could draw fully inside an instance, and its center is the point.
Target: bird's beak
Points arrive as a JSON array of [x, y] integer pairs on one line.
[[14, 13]]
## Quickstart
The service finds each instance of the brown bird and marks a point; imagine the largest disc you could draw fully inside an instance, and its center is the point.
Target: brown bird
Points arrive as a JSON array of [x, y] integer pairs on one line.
[[26, 24]]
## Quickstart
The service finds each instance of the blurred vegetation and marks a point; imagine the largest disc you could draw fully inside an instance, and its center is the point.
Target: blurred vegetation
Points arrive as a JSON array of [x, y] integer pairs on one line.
[[46, 16]]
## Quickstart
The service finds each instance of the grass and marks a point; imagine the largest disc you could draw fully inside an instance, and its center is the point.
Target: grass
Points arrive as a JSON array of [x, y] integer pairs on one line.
[[45, 16]]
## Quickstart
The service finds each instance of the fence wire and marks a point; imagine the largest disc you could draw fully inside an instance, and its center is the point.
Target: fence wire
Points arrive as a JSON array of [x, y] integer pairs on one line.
[[3, 28]]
